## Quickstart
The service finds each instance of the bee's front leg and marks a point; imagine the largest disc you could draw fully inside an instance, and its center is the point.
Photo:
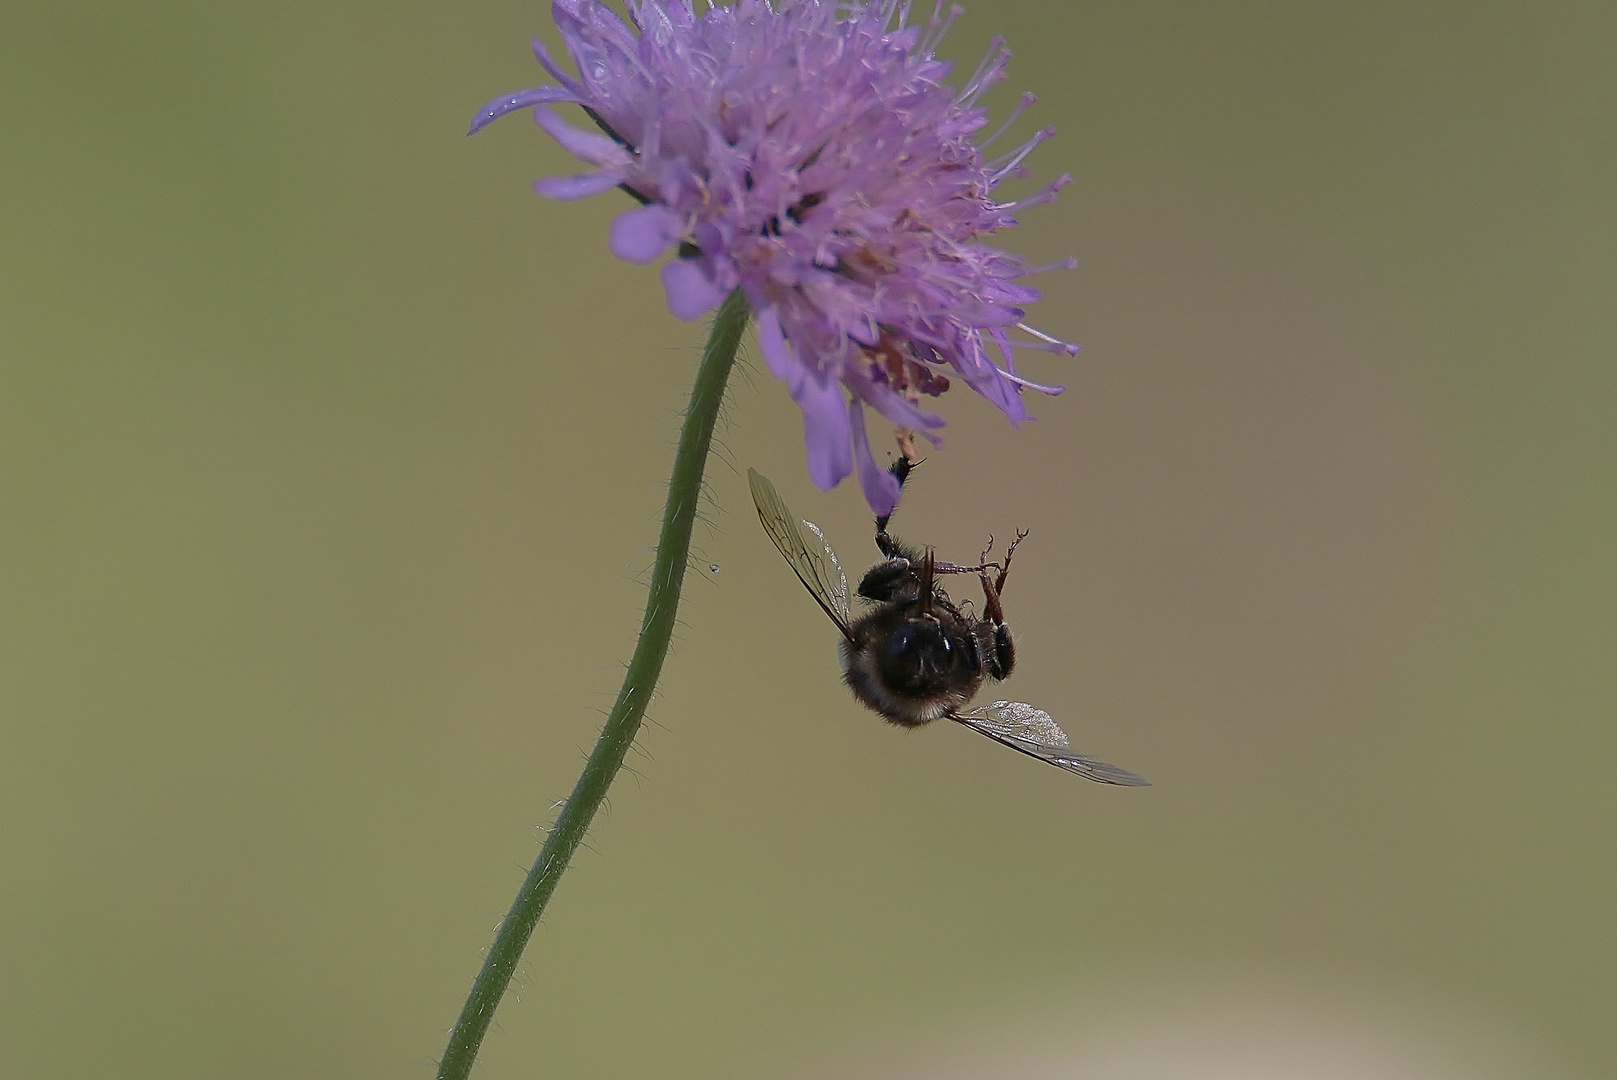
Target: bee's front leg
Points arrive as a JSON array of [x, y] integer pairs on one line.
[[889, 547]]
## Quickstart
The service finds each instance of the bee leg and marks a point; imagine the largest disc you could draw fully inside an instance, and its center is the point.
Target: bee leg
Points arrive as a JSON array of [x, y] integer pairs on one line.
[[890, 547], [1021, 534], [1002, 658], [941, 567], [901, 472], [884, 580], [991, 609], [982, 563]]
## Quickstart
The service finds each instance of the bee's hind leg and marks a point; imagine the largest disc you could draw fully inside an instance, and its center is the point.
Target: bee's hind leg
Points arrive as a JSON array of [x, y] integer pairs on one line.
[[999, 585], [1003, 656], [991, 607]]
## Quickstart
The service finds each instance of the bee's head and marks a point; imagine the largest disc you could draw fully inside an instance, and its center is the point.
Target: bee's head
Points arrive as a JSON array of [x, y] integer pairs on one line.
[[919, 657]]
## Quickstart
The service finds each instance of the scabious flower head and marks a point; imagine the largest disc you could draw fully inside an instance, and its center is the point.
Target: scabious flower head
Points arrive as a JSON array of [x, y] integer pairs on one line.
[[809, 153]]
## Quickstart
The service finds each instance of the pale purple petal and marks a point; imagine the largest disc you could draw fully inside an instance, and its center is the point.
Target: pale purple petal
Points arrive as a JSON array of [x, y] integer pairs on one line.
[[779, 356], [601, 46], [584, 145], [888, 402], [579, 187], [642, 234], [893, 406], [542, 54], [497, 108], [825, 432], [690, 291], [879, 485]]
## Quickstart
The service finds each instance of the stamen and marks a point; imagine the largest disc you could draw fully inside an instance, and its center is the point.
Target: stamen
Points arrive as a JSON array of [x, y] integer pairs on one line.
[[1069, 263], [1039, 199], [1002, 167], [1053, 391], [1016, 114], [938, 27], [989, 72], [1045, 343]]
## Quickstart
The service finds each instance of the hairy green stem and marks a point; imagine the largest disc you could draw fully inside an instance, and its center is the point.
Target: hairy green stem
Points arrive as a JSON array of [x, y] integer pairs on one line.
[[673, 549]]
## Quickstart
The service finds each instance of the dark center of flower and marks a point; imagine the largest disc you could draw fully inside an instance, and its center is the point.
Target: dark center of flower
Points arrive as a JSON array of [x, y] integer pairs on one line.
[[795, 211], [892, 362]]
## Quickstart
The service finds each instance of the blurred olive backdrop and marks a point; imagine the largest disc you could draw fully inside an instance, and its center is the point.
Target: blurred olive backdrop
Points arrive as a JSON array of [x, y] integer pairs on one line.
[[332, 458]]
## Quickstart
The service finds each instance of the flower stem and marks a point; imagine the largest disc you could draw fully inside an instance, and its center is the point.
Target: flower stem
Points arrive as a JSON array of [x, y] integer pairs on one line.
[[656, 629]]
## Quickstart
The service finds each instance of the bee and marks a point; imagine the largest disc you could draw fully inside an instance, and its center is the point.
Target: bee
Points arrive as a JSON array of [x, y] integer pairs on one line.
[[915, 656]]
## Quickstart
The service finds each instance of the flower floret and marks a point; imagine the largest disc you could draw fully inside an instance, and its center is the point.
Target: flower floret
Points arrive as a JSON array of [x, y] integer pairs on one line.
[[809, 153]]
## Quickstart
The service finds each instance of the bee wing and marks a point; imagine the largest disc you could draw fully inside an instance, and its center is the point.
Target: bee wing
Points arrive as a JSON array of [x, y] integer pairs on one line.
[[1034, 732], [806, 549]]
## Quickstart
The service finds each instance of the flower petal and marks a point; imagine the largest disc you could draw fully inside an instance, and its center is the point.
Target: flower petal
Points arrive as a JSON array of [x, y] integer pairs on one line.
[[584, 145], [542, 54], [982, 375], [579, 187], [539, 95], [602, 47], [645, 232], [779, 356], [889, 403], [690, 291], [825, 431], [879, 485]]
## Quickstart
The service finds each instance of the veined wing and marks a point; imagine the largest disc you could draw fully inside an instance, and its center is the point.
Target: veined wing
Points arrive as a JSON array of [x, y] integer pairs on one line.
[[806, 549], [1034, 732]]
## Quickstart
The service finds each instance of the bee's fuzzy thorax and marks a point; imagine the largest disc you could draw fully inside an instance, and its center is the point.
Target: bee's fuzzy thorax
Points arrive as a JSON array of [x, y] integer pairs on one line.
[[859, 672]]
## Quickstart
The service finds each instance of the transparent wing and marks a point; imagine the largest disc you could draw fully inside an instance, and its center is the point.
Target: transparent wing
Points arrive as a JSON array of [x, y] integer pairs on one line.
[[1034, 732], [806, 549]]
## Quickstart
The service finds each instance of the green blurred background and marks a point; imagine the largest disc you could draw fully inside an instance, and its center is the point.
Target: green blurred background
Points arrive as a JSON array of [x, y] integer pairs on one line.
[[332, 458]]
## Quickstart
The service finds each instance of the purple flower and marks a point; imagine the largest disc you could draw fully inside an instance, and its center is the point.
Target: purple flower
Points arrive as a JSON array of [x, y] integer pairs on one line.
[[809, 154]]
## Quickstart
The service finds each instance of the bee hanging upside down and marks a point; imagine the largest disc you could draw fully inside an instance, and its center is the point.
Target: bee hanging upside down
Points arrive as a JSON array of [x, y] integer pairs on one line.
[[915, 657]]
